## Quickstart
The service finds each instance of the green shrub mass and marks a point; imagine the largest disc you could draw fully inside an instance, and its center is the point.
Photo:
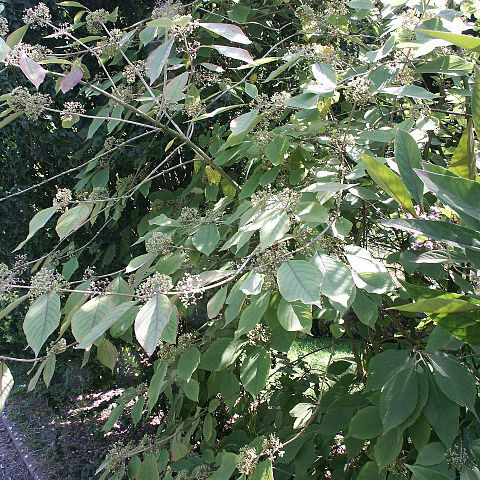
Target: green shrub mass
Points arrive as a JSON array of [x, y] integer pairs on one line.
[[206, 184]]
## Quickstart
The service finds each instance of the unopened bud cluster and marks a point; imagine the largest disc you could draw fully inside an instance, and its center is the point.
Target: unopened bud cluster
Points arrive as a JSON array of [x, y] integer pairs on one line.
[[404, 76], [284, 200], [423, 242], [45, 281], [195, 109], [56, 348], [6, 280], [169, 353], [130, 71], [189, 216], [272, 447], [259, 335], [32, 104], [166, 9], [247, 460], [71, 110], [95, 19], [109, 47], [458, 458], [159, 243], [37, 16], [98, 194], [266, 262], [3, 26], [158, 283]]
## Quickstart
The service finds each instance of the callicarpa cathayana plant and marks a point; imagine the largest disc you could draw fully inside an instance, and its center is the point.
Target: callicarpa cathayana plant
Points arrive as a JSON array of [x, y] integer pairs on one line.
[[250, 174]]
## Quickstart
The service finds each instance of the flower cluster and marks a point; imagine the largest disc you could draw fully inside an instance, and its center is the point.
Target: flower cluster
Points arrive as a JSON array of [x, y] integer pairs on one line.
[[157, 283], [206, 78], [259, 335], [189, 216], [32, 104], [124, 183], [166, 9], [37, 53], [63, 197], [308, 17], [71, 110], [37, 16], [423, 242], [321, 53], [358, 90], [458, 458], [109, 47], [262, 137], [94, 20], [404, 76], [189, 287], [159, 243], [46, 280], [272, 447], [3, 26], [195, 109], [130, 71], [285, 200], [202, 472], [98, 194], [409, 21], [247, 460], [266, 262], [169, 353]]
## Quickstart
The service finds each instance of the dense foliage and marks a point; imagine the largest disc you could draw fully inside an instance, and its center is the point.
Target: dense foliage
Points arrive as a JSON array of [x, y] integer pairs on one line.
[[250, 173]]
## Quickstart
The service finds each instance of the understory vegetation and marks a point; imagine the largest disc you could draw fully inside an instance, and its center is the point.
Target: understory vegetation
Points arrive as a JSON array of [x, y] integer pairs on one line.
[[212, 187]]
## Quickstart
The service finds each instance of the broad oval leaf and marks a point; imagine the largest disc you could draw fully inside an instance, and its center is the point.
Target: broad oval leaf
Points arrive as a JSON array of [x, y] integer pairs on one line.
[[463, 162], [71, 79], [255, 370], [6, 384], [41, 320], [230, 32], [89, 315], [32, 70], [235, 53], [73, 219], [299, 280], [188, 362], [174, 88], [206, 238], [151, 320]]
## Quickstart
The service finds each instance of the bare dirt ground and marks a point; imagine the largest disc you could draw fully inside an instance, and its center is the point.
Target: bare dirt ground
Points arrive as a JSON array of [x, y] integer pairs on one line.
[[11, 465]]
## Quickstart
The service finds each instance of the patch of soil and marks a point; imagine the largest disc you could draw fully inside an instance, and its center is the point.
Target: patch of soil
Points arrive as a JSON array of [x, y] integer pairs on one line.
[[12, 466]]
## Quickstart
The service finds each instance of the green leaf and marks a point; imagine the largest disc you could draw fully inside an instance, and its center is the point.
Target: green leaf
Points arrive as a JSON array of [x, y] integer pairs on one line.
[[276, 150], [188, 362], [463, 162], [422, 473], [294, 317], [158, 59], [38, 222], [365, 308], [220, 354], [4, 51], [6, 384], [336, 279], [438, 305], [192, 389], [291, 61], [476, 101], [419, 432], [252, 314], [299, 280], [454, 380], [387, 448], [441, 231], [116, 315], [10, 118], [206, 238], [442, 414], [389, 182], [366, 423], [412, 91], [227, 467], [12, 306], [448, 65], [71, 4], [459, 193], [16, 37], [157, 384], [382, 366], [73, 219], [49, 369], [151, 320], [464, 41], [369, 472], [431, 454], [107, 354], [215, 304], [174, 88], [254, 371], [137, 409], [235, 53], [399, 397], [263, 471], [41, 320], [274, 229], [408, 157], [161, 22], [148, 469], [89, 315]]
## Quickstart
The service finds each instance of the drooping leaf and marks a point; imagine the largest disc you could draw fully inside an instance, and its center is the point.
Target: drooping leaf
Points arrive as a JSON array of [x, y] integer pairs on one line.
[[263, 471], [408, 158], [4, 50], [107, 354], [220, 354], [174, 88], [32, 70], [41, 320], [151, 320], [158, 59], [366, 423], [206, 238], [16, 37], [188, 362], [422, 473], [230, 32], [387, 448], [252, 314], [274, 229], [6, 384], [294, 317], [11, 306], [235, 53], [464, 41], [255, 370], [463, 162], [389, 182], [215, 304], [37, 222], [71, 80], [299, 280]]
